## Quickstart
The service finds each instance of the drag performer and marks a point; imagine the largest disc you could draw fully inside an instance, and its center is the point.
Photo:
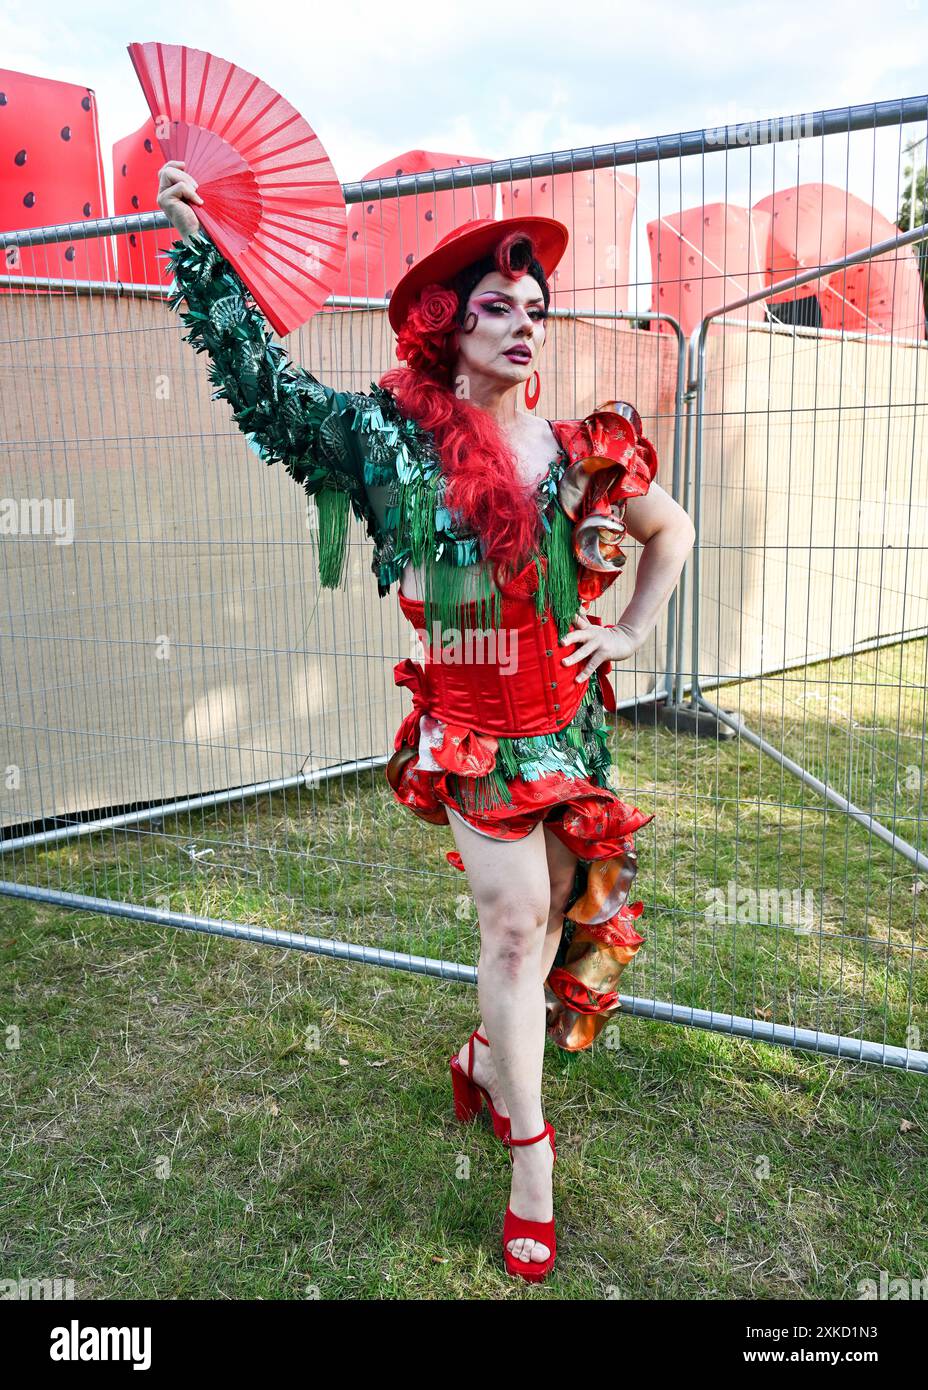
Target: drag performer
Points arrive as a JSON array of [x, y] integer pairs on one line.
[[501, 528]]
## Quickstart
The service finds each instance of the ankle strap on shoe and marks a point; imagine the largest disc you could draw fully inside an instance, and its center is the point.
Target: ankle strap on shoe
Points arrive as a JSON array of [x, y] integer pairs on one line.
[[470, 1051], [535, 1138]]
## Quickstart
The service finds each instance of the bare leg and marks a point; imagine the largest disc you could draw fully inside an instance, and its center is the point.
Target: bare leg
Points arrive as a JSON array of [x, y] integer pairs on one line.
[[509, 881], [561, 868]]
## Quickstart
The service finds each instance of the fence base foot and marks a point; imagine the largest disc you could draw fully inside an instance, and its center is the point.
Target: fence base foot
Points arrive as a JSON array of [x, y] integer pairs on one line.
[[682, 719]]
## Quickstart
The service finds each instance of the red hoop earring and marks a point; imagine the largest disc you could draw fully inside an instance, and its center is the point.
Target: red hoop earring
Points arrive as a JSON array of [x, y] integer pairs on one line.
[[532, 401]]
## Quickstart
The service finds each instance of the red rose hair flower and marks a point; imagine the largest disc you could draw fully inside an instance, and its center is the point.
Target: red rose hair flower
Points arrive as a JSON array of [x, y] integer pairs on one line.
[[435, 309]]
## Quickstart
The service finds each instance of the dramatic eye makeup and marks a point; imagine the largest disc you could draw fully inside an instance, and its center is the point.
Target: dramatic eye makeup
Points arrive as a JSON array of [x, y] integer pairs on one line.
[[498, 303]]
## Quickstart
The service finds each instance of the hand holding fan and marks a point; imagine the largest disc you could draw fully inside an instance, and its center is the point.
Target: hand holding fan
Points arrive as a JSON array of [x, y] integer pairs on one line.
[[272, 202]]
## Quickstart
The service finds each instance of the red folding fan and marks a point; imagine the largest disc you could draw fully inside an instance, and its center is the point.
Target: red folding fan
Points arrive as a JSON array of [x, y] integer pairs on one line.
[[272, 202]]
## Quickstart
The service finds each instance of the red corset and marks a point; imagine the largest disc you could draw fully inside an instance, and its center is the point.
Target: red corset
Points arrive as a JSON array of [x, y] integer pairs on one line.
[[511, 687]]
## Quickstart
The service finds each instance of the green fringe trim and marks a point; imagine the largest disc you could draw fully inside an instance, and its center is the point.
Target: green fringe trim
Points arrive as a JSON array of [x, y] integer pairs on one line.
[[449, 589], [574, 737], [333, 507], [415, 512], [482, 793], [452, 582], [541, 593], [563, 572], [507, 759], [525, 757]]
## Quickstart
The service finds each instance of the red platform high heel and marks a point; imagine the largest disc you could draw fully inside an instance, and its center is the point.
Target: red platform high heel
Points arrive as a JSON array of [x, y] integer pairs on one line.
[[469, 1095], [518, 1228]]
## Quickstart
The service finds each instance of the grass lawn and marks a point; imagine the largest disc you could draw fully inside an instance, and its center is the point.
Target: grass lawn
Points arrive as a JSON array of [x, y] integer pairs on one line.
[[186, 1116]]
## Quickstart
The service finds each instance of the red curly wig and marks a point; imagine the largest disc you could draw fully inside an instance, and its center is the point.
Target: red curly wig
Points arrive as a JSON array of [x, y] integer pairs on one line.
[[482, 487]]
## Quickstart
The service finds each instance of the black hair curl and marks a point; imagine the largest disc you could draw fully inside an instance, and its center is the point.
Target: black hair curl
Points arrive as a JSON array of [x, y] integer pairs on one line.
[[513, 257]]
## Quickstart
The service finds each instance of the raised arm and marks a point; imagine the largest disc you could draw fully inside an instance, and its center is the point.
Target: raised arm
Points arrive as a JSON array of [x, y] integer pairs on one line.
[[336, 444], [287, 416]]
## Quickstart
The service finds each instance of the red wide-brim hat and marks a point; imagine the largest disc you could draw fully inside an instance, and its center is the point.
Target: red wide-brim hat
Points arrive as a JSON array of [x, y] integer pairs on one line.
[[471, 242]]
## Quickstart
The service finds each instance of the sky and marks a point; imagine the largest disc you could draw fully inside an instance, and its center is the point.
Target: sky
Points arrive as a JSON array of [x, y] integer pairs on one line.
[[490, 80]]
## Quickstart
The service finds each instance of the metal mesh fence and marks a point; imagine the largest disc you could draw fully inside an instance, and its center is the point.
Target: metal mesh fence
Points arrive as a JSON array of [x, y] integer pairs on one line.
[[194, 735]]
